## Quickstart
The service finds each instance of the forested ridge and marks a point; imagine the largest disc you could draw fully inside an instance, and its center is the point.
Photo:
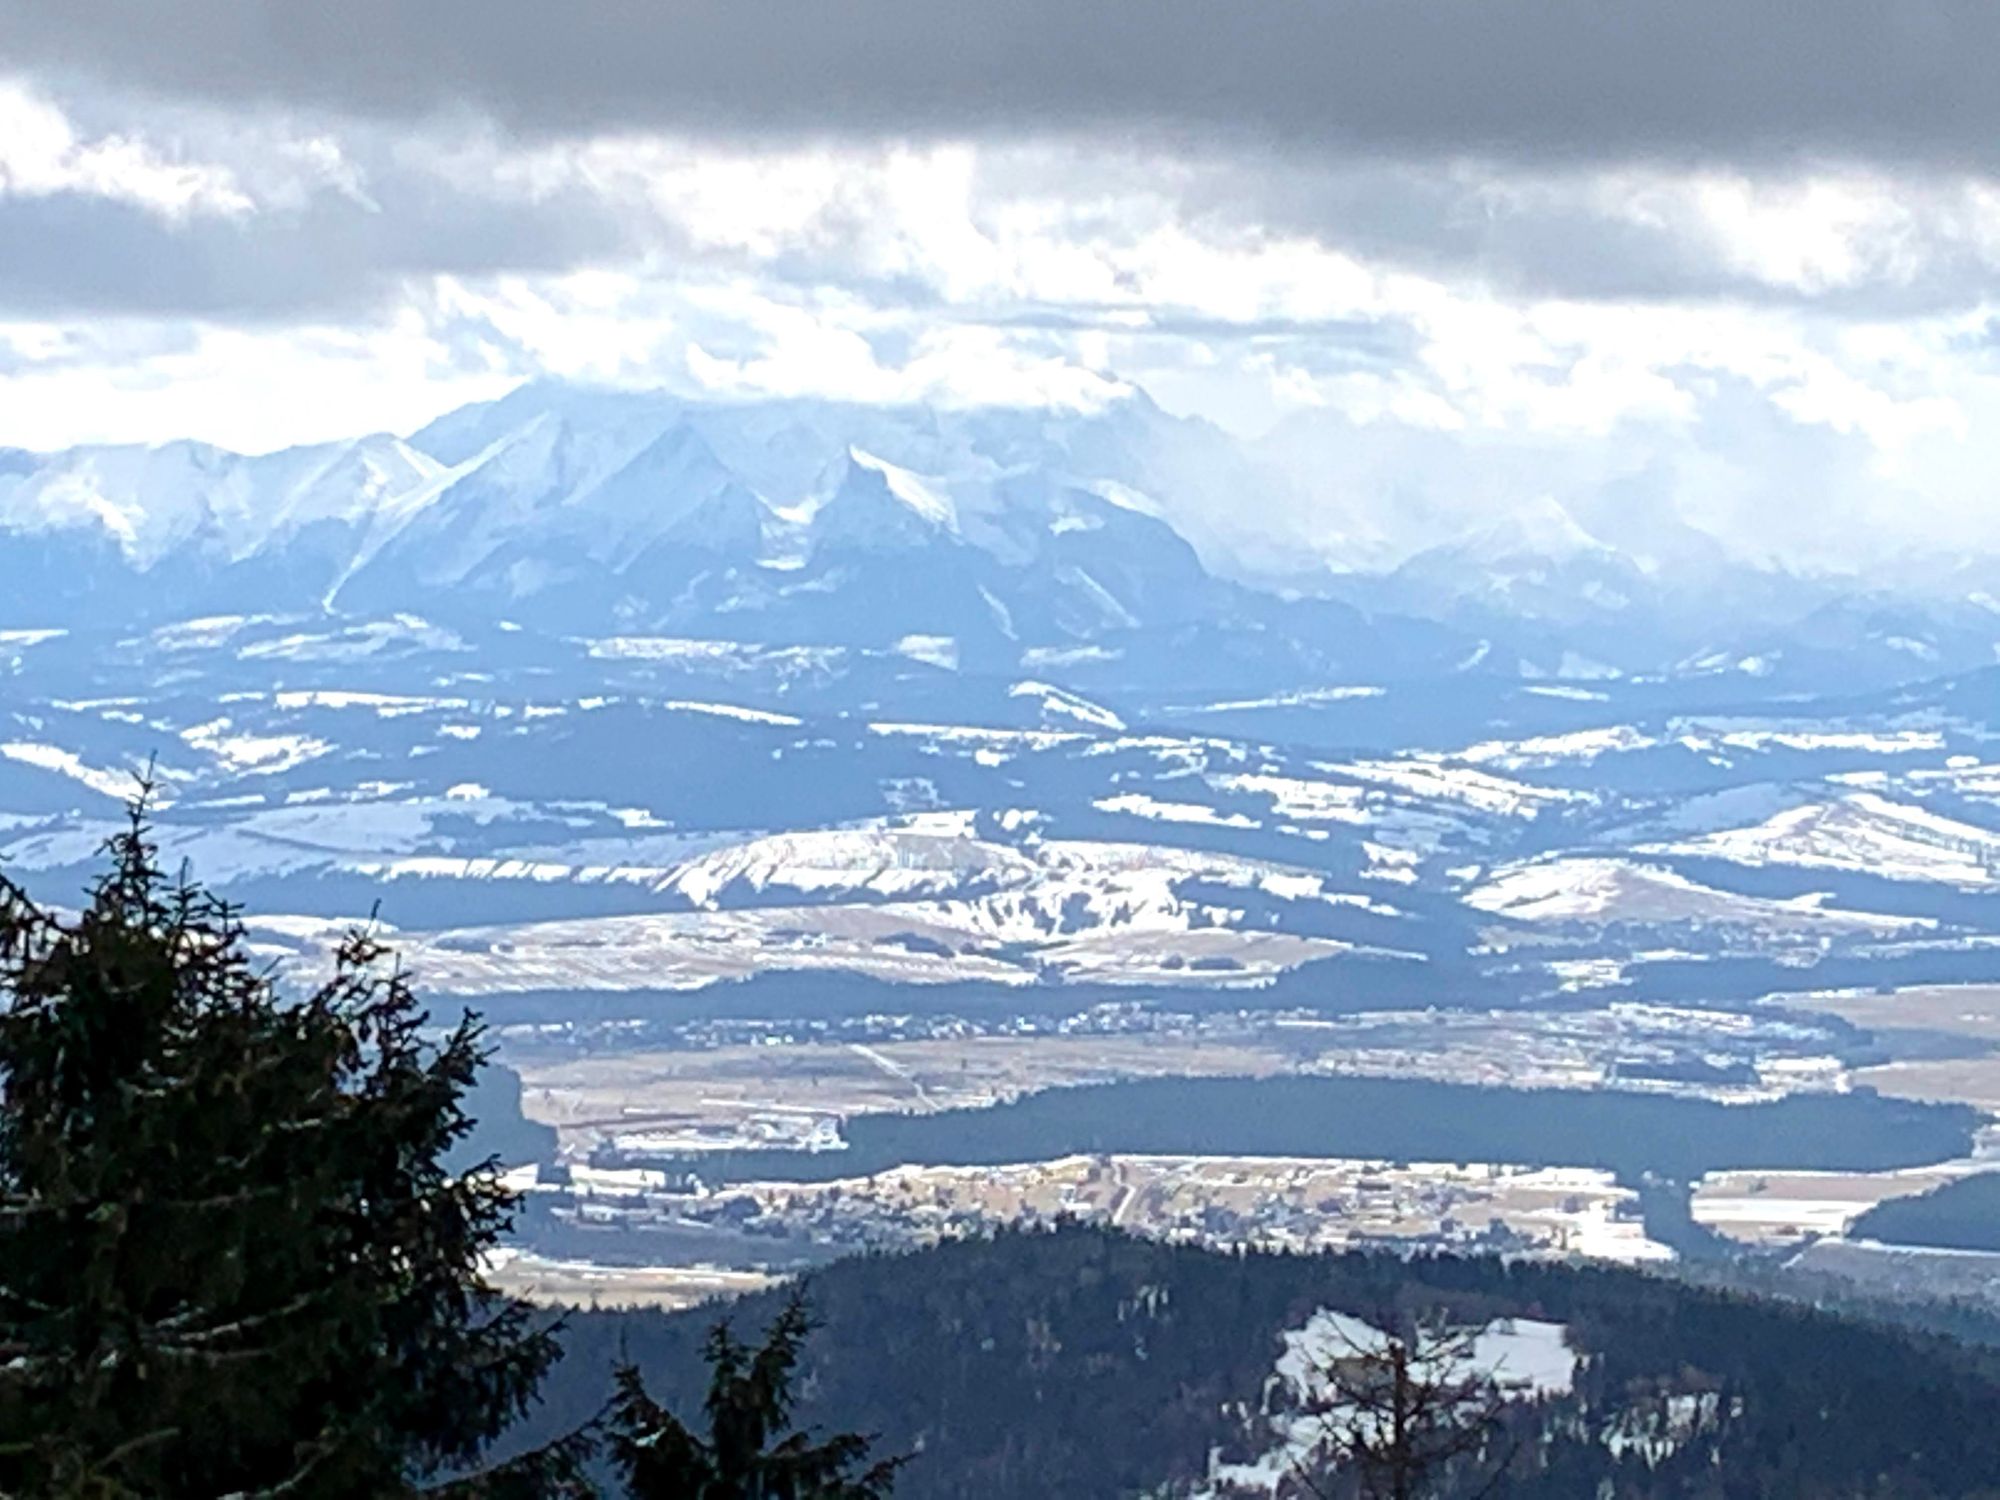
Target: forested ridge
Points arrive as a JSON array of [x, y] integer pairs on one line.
[[1082, 1362]]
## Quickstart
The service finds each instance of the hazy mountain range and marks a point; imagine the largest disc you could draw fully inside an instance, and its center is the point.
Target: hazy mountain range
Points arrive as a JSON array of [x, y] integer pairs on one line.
[[994, 539]]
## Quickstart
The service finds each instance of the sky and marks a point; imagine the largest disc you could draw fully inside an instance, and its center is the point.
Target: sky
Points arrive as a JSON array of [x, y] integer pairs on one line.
[[1737, 258]]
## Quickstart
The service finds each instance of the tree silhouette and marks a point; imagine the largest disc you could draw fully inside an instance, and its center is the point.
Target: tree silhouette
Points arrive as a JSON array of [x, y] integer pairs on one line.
[[1394, 1418], [231, 1261], [749, 1402]]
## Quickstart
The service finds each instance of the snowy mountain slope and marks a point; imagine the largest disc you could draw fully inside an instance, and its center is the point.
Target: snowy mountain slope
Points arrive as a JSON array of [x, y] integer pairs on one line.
[[1041, 535], [558, 522], [575, 512], [129, 532], [169, 500]]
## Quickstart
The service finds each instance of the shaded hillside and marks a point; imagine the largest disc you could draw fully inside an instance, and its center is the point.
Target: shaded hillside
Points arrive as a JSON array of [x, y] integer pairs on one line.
[[1962, 1215], [1388, 1119]]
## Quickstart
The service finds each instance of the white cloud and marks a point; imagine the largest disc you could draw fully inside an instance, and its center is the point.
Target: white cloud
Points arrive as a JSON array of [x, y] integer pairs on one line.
[[248, 389], [42, 155]]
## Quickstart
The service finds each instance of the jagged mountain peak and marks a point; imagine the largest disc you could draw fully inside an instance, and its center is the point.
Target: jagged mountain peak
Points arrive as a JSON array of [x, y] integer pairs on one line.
[[1542, 527], [463, 434], [872, 503]]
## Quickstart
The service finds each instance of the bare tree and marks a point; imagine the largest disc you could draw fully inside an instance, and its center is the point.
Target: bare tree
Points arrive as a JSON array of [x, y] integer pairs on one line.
[[1396, 1416]]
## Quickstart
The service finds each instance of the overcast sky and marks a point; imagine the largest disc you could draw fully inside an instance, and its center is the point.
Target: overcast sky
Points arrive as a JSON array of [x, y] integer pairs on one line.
[[1740, 253]]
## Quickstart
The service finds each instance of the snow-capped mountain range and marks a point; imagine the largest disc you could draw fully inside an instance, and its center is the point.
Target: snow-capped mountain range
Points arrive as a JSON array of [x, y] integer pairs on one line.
[[996, 539], [575, 510]]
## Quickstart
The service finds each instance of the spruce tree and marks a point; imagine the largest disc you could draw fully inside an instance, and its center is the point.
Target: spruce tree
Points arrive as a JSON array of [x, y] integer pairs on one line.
[[742, 1457], [231, 1262]]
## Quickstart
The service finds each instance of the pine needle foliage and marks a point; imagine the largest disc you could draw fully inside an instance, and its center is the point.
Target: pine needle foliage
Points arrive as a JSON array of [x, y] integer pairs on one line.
[[231, 1262]]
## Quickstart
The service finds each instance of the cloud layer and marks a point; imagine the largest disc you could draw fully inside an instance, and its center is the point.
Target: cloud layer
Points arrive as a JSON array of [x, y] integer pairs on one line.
[[1704, 258], [1553, 80]]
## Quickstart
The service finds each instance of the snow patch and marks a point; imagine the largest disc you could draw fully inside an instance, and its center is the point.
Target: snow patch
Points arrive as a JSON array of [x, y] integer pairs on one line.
[[119, 784], [1142, 805], [933, 650], [731, 711], [1057, 700]]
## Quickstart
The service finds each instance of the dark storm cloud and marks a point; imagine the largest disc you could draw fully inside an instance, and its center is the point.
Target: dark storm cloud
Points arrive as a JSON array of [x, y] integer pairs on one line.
[[68, 254], [1541, 79], [1558, 236]]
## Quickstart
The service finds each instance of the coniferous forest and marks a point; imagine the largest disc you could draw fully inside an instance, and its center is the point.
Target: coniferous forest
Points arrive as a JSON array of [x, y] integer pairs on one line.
[[1087, 1363]]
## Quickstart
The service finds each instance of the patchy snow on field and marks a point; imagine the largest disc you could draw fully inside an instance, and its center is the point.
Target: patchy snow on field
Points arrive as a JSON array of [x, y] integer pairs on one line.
[[1569, 694], [1123, 891], [1432, 778], [241, 754], [1550, 749], [385, 705], [922, 896], [1060, 703], [1865, 834], [688, 950], [1742, 734], [359, 642], [1603, 891], [503, 868], [1143, 805], [1796, 1206], [932, 650], [1561, 891], [312, 830], [971, 734], [1901, 742], [103, 780], [1528, 1357], [1305, 698], [1964, 776], [1041, 658], [1756, 1217], [205, 634], [731, 711], [1386, 862], [1305, 800], [662, 648]]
